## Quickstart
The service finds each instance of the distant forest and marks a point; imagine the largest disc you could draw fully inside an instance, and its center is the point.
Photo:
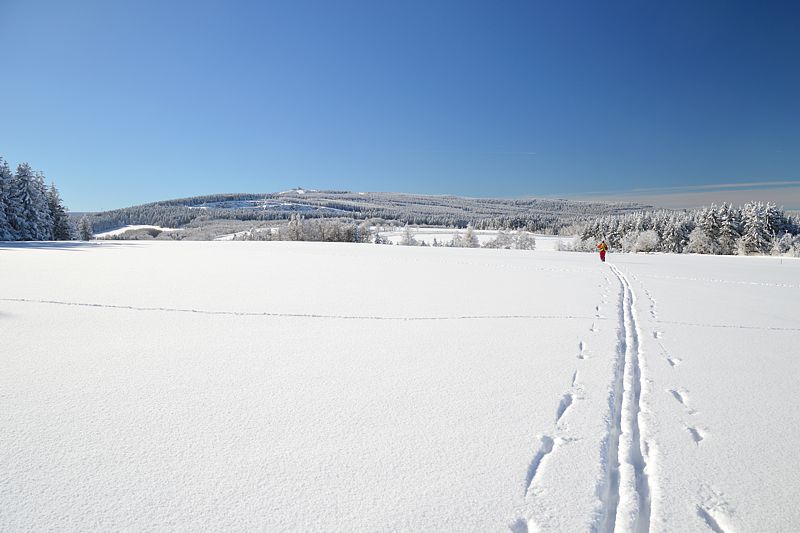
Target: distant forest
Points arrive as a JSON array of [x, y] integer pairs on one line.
[[536, 215]]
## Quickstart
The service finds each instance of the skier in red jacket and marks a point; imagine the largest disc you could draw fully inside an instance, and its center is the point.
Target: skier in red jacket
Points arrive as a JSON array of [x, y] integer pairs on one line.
[[603, 247]]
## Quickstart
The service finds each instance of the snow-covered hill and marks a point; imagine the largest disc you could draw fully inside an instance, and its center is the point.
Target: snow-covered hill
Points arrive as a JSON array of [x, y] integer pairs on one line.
[[334, 387]]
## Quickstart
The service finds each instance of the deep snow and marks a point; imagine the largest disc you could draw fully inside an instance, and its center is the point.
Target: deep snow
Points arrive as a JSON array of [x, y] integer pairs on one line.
[[333, 387]]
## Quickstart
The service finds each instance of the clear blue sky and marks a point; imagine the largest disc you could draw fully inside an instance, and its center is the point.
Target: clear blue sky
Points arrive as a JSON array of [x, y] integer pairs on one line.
[[127, 102]]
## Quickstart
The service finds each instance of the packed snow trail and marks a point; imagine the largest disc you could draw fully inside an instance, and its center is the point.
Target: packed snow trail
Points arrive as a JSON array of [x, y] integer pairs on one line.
[[627, 492]]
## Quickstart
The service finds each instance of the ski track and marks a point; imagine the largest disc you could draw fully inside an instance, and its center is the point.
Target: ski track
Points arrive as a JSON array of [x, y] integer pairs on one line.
[[625, 493], [727, 326], [296, 315], [728, 281]]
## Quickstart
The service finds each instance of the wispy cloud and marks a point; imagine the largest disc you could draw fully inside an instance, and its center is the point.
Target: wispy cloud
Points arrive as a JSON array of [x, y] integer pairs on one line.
[[783, 193]]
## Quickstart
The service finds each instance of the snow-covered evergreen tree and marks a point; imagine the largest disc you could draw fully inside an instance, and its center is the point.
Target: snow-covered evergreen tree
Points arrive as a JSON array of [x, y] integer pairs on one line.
[[675, 235], [62, 231], [25, 201], [756, 236], [775, 220], [85, 232], [708, 221], [729, 229], [6, 232]]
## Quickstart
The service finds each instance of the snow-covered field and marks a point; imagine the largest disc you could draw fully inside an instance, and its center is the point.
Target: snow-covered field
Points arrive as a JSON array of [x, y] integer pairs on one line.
[[123, 229], [280, 386]]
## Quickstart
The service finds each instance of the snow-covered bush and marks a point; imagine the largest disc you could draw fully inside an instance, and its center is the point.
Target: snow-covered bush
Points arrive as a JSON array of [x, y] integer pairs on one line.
[[503, 240], [576, 244], [468, 239], [525, 240], [701, 243], [647, 241], [628, 241]]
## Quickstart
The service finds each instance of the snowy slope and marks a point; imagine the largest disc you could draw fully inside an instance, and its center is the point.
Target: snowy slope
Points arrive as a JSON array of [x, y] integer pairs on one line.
[[334, 387], [123, 229]]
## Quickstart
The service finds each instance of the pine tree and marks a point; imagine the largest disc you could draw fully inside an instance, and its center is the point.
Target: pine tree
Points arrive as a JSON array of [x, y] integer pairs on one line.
[[85, 232], [776, 224], [729, 229], [58, 214], [6, 233], [24, 202], [675, 235], [756, 236], [709, 221]]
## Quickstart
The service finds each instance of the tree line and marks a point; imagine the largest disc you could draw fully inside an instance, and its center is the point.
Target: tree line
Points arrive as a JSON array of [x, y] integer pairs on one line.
[[753, 228], [29, 209]]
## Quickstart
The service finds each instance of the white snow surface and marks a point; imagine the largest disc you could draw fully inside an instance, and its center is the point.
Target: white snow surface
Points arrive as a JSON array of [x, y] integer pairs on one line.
[[279, 386], [123, 229]]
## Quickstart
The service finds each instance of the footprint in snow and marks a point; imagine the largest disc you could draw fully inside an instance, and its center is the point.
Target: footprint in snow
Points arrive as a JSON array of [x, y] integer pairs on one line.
[[520, 526], [697, 434]]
